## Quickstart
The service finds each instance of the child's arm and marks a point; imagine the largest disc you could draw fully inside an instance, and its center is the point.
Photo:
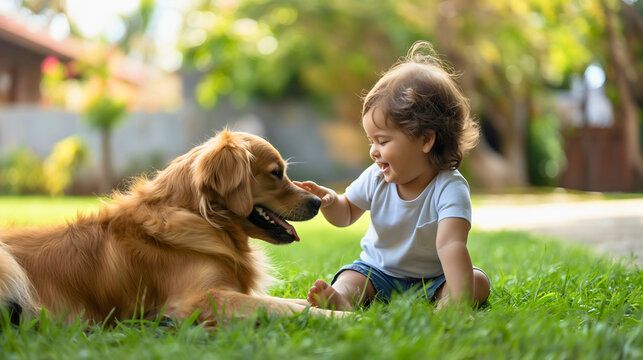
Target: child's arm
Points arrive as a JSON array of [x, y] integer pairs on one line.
[[451, 243], [336, 208]]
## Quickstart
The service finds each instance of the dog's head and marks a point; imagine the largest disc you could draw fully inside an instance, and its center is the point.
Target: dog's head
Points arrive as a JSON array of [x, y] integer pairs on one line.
[[245, 176]]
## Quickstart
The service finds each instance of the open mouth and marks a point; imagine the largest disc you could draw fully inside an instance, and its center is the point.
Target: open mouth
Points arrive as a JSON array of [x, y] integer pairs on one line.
[[383, 166], [273, 224]]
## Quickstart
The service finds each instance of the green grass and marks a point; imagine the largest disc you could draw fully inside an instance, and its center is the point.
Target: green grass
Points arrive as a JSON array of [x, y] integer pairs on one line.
[[41, 210], [549, 300]]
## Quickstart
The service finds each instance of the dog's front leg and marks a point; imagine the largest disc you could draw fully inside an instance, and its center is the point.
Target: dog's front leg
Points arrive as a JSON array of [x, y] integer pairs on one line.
[[220, 306], [232, 303]]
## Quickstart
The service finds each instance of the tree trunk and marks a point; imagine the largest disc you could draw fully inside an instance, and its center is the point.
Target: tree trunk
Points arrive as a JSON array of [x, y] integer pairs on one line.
[[105, 182], [516, 147], [622, 66]]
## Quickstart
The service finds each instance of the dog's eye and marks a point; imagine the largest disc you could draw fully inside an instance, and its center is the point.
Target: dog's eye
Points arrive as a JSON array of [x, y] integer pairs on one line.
[[278, 173]]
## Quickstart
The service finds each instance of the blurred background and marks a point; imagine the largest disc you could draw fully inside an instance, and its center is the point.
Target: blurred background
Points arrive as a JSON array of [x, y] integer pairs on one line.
[[93, 92]]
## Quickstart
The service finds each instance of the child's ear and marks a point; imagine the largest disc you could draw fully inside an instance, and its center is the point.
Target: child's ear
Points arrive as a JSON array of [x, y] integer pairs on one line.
[[429, 140]]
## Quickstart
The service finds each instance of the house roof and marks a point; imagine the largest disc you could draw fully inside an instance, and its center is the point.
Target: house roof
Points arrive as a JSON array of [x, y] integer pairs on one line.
[[37, 41]]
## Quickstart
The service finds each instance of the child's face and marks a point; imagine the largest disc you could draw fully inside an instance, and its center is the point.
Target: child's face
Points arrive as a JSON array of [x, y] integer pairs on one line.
[[402, 159]]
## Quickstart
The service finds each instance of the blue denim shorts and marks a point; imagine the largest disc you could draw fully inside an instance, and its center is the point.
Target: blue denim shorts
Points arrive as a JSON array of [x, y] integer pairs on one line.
[[385, 284]]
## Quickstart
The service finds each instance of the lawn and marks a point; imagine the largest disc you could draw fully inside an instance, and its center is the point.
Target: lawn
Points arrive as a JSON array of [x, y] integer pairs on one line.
[[549, 300]]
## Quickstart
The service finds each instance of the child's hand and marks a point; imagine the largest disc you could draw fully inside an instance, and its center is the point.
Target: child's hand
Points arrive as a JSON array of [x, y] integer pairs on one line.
[[327, 196]]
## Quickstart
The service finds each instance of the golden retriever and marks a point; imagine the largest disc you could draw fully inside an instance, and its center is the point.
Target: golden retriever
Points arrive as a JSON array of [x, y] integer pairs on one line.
[[175, 244]]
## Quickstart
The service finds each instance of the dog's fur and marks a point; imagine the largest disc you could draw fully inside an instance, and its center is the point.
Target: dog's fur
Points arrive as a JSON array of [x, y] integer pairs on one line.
[[174, 244]]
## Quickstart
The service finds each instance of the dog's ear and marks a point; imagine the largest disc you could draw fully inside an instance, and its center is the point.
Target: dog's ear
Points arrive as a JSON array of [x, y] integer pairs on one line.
[[224, 167]]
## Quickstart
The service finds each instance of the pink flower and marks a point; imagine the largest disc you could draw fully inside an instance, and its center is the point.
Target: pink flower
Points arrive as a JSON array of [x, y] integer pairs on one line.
[[50, 64]]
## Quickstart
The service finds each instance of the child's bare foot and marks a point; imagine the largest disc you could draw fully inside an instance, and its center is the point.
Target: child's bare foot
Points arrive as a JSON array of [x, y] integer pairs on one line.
[[325, 296]]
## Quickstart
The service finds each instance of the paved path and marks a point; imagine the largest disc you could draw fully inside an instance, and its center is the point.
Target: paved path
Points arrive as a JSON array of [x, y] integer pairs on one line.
[[613, 227]]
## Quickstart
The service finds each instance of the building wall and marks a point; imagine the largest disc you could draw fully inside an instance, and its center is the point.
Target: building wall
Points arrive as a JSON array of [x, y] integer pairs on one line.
[[21, 68], [141, 142]]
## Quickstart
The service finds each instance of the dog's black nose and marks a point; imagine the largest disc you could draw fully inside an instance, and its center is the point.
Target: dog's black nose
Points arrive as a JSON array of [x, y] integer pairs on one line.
[[315, 203]]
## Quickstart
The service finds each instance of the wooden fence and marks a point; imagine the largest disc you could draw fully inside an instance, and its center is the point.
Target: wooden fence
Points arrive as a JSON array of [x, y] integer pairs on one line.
[[597, 161]]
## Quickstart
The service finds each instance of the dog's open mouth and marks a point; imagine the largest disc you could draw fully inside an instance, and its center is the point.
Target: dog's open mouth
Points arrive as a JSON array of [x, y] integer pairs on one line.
[[273, 224]]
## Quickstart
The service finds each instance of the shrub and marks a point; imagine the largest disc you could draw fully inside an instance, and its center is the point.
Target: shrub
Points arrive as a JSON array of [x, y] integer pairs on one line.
[[61, 165], [545, 151], [22, 173]]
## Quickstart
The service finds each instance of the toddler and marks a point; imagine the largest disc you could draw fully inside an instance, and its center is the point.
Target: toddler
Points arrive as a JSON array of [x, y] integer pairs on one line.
[[418, 124]]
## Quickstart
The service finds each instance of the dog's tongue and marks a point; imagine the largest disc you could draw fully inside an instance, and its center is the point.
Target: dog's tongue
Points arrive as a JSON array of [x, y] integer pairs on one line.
[[289, 228]]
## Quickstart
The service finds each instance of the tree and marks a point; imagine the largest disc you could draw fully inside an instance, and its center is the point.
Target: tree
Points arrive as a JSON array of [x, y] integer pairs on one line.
[[626, 79], [509, 54], [288, 48], [102, 107], [87, 87], [103, 112]]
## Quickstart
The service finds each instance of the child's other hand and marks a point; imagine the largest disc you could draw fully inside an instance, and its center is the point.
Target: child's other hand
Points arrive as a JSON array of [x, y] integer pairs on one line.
[[327, 196]]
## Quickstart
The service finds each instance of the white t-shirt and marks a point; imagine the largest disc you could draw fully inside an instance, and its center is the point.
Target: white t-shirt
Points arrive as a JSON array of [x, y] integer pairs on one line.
[[401, 237]]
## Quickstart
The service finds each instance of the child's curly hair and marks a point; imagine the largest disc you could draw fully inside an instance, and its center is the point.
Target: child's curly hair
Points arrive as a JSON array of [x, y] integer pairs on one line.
[[420, 96]]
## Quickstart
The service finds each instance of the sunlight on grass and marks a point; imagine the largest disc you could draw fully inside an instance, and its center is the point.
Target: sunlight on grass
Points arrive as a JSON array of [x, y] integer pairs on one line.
[[37, 210], [549, 300]]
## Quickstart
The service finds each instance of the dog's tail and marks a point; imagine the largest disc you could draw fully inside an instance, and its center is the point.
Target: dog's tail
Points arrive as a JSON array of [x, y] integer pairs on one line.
[[15, 287]]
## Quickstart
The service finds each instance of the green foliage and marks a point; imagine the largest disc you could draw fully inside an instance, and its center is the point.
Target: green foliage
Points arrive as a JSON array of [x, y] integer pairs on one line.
[[63, 162], [508, 53], [286, 48], [548, 301], [21, 173], [105, 112], [545, 151], [136, 25], [283, 48]]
